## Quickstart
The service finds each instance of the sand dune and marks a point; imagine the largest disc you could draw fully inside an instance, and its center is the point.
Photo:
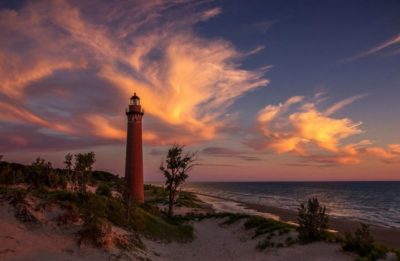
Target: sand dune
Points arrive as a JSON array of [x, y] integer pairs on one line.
[[214, 241]]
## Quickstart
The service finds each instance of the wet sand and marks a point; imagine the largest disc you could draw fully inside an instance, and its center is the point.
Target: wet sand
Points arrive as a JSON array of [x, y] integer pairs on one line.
[[387, 236]]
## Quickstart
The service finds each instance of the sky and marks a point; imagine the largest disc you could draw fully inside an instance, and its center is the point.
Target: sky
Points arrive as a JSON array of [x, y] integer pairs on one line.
[[261, 90]]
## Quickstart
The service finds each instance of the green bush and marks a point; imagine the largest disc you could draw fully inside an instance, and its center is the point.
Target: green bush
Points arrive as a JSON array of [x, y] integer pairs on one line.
[[70, 216], [95, 227], [12, 173], [158, 227], [266, 243], [313, 221], [16, 197], [363, 244], [103, 176], [23, 214], [116, 212], [94, 230], [104, 190]]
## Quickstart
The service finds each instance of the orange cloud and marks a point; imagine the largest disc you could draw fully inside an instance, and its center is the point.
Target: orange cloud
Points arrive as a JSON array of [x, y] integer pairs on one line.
[[11, 113], [193, 84], [325, 132], [290, 131], [297, 126], [186, 82], [102, 127]]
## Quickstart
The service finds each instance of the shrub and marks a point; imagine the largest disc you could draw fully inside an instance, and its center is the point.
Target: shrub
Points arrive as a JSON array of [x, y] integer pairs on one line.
[[104, 190], [103, 176], [69, 217], [64, 195], [16, 197], [156, 227], [362, 241], [363, 244], [262, 245], [313, 221], [23, 214], [11, 173], [116, 212], [289, 241], [95, 229]]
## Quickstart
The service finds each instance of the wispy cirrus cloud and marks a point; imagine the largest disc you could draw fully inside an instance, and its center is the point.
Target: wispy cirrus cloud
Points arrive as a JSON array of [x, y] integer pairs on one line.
[[341, 104], [380, 47], [299, 127], [186, 82]]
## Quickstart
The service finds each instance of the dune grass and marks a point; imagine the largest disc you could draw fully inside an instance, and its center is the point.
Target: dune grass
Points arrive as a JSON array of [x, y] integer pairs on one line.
[[142, 219]]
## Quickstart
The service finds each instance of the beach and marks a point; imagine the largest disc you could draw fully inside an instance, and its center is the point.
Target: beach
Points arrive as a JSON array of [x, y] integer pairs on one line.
[[383, 235], [218, 242]]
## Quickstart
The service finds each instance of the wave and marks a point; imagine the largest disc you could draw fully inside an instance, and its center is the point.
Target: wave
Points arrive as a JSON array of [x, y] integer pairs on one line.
[[363, 201]]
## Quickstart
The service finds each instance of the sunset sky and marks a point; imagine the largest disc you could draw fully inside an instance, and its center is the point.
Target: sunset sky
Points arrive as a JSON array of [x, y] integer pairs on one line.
[[262, 90]]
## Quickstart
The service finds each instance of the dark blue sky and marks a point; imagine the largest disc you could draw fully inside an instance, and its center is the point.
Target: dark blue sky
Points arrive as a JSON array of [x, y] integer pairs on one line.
[[307, 43]]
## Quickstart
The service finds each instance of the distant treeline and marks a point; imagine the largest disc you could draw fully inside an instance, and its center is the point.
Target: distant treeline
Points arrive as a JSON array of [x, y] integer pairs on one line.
[[76, 175]]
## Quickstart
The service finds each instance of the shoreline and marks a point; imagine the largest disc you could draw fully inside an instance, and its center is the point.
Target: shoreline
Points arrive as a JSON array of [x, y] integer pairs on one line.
[[383, 235]]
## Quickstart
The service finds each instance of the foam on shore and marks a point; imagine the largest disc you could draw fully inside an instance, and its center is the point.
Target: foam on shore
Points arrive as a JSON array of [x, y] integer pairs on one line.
[[223, 205]]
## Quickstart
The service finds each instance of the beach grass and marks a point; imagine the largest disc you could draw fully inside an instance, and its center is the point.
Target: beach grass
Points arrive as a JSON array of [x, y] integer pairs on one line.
[[145, 219]]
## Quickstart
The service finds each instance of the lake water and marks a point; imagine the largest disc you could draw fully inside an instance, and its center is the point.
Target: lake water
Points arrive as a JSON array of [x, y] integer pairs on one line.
[[371, 202]]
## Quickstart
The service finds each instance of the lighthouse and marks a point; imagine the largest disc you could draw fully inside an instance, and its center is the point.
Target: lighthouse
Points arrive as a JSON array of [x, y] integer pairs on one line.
[[134, 151]]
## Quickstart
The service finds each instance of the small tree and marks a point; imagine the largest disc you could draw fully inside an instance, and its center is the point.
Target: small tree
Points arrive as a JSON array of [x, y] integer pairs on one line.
[[313, 221], [38, 175], [176, 168], [68, 164], [83, 166]]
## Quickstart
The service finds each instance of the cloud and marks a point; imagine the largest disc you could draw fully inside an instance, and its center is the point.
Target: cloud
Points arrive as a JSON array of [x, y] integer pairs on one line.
[[340, 105], [380, 47], [212, 13], [298, 127], [88, 57], [290, 130], [229, 153]]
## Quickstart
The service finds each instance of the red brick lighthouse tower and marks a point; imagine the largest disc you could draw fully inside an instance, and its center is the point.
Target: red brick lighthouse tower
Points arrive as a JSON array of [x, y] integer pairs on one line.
[[134, 151]]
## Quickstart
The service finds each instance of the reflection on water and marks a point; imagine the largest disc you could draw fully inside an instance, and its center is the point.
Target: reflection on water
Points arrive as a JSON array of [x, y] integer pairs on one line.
[[372, 202]]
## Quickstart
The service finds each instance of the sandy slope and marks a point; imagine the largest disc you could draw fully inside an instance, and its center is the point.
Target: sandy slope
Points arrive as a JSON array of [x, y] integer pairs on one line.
[[214, 241], [45, 242]]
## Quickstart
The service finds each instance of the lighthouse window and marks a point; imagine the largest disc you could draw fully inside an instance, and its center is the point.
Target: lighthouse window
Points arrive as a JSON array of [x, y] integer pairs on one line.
[[135, 101]]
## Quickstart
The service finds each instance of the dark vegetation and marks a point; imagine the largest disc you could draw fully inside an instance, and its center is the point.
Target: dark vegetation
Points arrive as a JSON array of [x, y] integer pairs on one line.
[[313, 225], [362, 243], [96, 212], [263, 228], [313, 221], [175, 170]]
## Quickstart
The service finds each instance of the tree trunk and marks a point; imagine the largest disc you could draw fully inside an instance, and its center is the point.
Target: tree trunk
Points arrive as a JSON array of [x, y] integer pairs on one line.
[[171, 203]]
